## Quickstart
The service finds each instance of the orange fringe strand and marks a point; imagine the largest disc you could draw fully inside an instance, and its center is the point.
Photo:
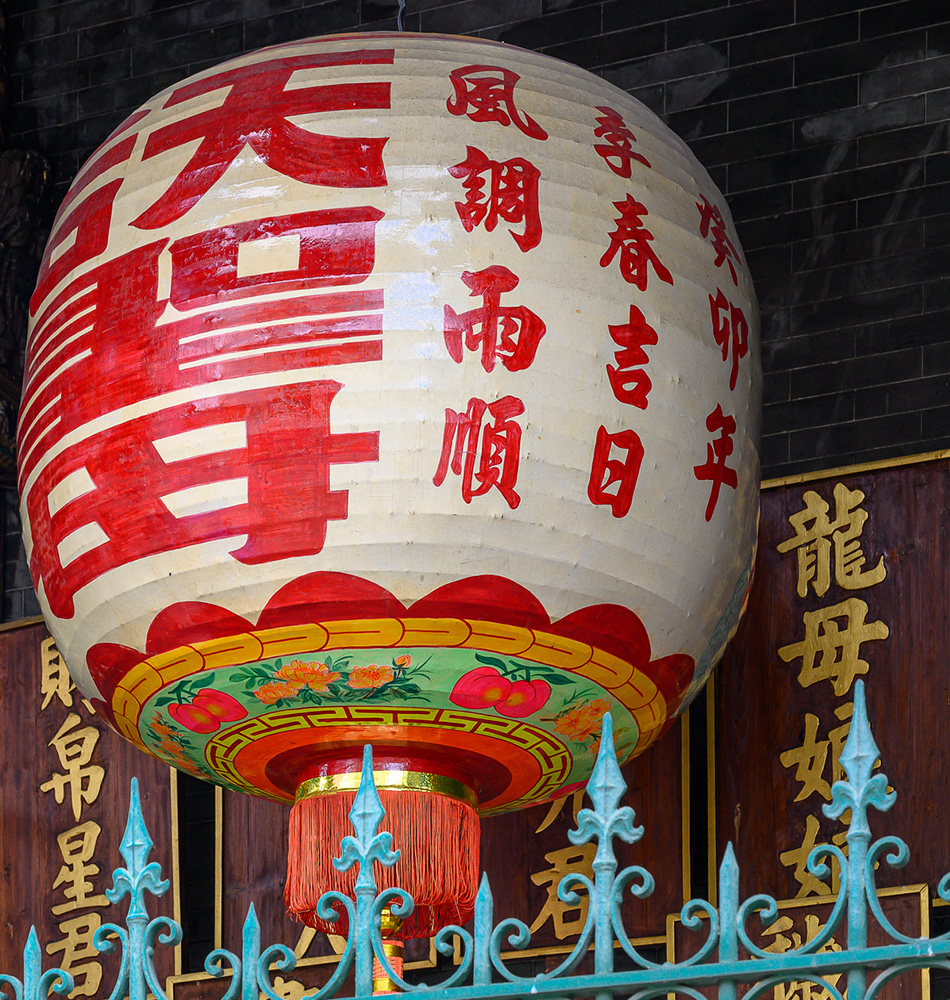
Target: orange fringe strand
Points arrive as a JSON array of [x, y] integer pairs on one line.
[[438, 837]]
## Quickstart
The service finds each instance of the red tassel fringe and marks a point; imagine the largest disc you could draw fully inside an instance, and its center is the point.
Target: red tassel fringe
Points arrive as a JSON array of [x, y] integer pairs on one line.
[[438, 838]]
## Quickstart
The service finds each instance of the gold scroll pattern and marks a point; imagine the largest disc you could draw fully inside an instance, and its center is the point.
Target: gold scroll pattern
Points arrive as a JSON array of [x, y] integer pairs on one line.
[[75, 782], [828, 550]]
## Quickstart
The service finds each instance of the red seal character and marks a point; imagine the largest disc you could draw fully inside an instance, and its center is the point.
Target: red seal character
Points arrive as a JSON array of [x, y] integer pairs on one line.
[[259, 93], [485, 456], [511, 333], [713, 227], [259, 473], [617, 146], [631, 239], [487, 94], [731, 331], [613, 480], [511, 195], [714, 469], [112, 316], [628, 379]]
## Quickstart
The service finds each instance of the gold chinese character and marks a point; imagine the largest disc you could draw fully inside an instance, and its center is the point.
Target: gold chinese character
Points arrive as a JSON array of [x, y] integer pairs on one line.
[[811, 885], [74, 748], [557, 807], [802, 989], [77, 847], [567, 859], [810, 759], [839, 647], [817, 536], [80, 956], [54, 678]]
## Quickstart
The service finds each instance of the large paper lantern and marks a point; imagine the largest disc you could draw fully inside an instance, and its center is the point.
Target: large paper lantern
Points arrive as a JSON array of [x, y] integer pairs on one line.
[[396, 389]]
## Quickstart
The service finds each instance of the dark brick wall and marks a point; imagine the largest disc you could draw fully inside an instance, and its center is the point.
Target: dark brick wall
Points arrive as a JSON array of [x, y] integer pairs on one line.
[[827, 125]]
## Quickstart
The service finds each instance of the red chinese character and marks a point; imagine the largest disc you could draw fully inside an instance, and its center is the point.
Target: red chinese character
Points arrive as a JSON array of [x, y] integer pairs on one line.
[[729, 324], [607, 472], [82, 236], [629, 381], [617, 148], [512, 195], [487, 456], [511, 333], [487, 94], [111, 320], [711, 221], [717, 451], [632, 240], [149, 497], [256, 111]]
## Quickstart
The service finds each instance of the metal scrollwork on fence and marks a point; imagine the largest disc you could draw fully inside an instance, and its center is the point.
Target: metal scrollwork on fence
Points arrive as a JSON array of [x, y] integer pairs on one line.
[[727, 957]]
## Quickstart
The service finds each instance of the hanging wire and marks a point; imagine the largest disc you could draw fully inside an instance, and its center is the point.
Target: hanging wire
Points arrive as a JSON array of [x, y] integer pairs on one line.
[[399, 25]]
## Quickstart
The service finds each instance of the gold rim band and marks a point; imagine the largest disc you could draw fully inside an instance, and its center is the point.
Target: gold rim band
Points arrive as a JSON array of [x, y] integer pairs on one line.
[[409, 781]]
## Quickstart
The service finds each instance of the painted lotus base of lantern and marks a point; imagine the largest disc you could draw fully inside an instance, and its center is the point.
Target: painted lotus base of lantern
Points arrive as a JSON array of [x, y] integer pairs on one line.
[[474, 701], [492, 694]]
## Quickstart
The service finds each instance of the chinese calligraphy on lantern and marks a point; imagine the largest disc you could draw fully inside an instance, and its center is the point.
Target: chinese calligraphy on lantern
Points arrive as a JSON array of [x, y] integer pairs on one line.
[[488, 456], [832, 649], [265, 303]]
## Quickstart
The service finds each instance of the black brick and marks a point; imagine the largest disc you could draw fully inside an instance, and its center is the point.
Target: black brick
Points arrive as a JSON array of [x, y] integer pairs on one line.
[[936, 232], [800, 352], [745, 144], [793, 226], [774, 387], [938, 106], [223, 42], [727, 22], [769, 265], [617, 47], [289, 25], [793, 38], [693, 61], [903, 397], [816, 411], [620, 14], [770, 201], [858, 309], [813, 448], [709, 119], [898, 144], [52, 51], [723, 85], [891, 18], [911, 78], [844, 60], [472, 15], [813, 161], [552, 29], [795, 102], [935, 423], [916, 203], [773, 454], [861, 245]]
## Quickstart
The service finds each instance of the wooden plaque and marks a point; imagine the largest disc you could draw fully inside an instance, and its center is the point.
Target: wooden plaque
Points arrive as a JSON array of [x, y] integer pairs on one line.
[[64, 803], [852, 580]]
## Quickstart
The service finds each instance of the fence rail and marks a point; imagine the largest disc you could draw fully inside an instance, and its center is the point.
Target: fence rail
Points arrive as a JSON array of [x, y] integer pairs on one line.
[[727, 958]]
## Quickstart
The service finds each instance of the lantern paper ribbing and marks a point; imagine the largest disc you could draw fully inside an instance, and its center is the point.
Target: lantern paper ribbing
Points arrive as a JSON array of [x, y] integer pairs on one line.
[[394, 389]]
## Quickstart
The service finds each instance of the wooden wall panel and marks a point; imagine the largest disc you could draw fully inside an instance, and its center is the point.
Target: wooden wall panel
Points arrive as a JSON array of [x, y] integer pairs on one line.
[[780, 722], [64, 799]]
